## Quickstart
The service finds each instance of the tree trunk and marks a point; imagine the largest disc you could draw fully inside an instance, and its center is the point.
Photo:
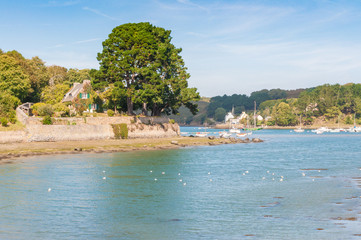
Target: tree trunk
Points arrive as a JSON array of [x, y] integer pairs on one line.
[[156, 110], [130, 106], [144, 109]]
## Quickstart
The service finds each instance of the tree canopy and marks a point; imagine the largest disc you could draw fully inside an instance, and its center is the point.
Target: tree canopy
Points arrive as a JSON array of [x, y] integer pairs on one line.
[[143, 64]]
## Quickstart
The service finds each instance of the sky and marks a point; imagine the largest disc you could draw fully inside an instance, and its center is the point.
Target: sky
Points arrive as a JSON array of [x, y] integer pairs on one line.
[[229, 47]]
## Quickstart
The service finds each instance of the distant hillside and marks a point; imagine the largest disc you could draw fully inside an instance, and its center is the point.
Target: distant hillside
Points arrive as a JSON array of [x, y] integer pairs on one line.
[[185, 117]]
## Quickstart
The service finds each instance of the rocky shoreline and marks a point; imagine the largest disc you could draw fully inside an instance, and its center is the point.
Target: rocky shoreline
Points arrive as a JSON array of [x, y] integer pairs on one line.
[[8, 152]]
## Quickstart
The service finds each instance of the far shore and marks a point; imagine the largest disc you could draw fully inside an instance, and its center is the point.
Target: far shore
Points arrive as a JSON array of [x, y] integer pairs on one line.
[[9, 151]]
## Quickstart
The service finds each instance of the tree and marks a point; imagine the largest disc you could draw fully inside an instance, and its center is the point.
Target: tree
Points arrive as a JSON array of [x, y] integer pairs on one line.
[[75, 75], [57, 74], [8, 104], [219, 115], [283, 116], [151, 72], [54, 93], [12, 77]]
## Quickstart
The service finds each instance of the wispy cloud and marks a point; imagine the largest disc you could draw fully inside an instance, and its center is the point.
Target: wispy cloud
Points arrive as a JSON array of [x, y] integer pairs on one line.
[[62, 3], [88, 40], [99, 13]]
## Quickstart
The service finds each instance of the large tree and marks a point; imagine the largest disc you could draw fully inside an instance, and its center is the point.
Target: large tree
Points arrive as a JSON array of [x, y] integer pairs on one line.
[[12, 77], [151, 70]]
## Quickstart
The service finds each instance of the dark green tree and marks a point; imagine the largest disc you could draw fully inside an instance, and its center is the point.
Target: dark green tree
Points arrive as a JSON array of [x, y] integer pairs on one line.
[[152, 73]]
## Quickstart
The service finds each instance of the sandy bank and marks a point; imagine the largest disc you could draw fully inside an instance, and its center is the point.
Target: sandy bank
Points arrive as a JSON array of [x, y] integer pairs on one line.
[[16, 150]]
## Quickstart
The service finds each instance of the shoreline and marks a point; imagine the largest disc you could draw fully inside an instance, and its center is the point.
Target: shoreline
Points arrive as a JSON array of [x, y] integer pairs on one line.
[[10, 151]]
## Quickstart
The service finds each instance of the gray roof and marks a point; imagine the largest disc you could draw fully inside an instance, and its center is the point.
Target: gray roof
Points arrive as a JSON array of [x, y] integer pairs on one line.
[[72, 93]]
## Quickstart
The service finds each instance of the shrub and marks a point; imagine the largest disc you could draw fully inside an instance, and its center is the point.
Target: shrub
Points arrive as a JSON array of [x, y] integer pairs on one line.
[[4, 122], [110, 113], [348, 120], [36, 107], [120, 130], [62, 109], [42, 109], [47, 120], [171, 121]]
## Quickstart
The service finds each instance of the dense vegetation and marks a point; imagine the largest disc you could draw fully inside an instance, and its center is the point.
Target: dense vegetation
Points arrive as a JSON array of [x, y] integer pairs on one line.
[[139, 69], [326, 103]]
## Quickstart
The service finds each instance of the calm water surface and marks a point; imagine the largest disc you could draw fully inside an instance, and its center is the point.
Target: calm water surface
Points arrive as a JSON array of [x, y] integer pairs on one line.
[[211, 192]]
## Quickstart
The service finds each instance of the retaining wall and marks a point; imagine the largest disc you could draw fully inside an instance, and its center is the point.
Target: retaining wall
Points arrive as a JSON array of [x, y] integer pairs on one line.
[[12, 136]]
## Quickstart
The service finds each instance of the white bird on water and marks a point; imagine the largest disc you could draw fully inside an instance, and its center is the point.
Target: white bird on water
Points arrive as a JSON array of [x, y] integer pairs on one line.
[[281, 180], [163, 173], [150, 171], [155, 179], [303, 174], [246, 171], [184, 184], [209, 173], [104, 178], [49, 189]]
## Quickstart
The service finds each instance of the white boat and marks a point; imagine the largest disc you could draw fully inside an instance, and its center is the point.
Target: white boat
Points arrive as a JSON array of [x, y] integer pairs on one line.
[[241, 134], [354, 129], [234, 130], [201, 134], [224, 134], [299, 130], [244, 134], [336, 130], [321, 130]]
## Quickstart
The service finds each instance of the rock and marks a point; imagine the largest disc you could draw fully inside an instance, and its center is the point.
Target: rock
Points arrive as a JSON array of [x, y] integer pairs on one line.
[[191, 136], [174, 142], [211, 137], [211, 143], [256, 140], [78, 149]]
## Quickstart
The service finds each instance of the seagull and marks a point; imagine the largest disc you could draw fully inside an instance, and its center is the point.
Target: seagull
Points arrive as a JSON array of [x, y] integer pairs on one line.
[[209, 173], [178, 174], [155, 179], [273, 174], [267, 171], [150, 171], [163, 173], [243, 174], [104, 178], [184, 184], [180, 180], [313, 180], [49, 189], [303, 174]]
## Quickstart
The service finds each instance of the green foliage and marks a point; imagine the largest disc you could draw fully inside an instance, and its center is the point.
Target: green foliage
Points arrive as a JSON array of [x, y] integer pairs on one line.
[[13, 78], [110, 113], [42, 109], [4, 121], [146, 69], [75, 75], [348, 120], [53, 94], [220, 114], [120, 130], [8, 104], [171, 121], [62, 109], [283, 116], [57, 75], [47, 120]]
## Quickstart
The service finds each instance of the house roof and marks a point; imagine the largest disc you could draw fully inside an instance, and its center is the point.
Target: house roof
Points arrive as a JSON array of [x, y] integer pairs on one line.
[[73, 92]]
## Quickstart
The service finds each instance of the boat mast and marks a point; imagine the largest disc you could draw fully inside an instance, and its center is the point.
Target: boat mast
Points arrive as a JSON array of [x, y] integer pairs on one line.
[[254, 120]]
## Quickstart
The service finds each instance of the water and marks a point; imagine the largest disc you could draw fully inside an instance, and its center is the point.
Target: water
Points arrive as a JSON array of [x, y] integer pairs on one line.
[[221, 195]]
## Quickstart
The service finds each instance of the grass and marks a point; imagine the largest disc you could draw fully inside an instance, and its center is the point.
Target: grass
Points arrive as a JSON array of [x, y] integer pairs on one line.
[[13, 127]]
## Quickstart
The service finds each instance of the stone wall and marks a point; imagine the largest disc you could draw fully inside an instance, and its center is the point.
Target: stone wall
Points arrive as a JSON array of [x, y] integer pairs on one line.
[[87, 128], [45, 133], [12, 136]]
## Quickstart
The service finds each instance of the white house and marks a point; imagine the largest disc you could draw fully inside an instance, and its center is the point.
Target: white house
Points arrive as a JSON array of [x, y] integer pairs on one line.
[[228, 117]]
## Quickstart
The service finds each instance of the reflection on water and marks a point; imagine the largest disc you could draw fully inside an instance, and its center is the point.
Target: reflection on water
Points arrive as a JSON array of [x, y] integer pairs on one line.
[[289, 187]]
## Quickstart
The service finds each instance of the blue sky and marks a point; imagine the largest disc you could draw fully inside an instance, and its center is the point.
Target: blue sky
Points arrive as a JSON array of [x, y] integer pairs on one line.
[[228, 46]]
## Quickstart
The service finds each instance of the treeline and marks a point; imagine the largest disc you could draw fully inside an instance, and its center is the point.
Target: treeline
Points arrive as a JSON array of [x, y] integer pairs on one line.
[[30, 80], [219, 105]]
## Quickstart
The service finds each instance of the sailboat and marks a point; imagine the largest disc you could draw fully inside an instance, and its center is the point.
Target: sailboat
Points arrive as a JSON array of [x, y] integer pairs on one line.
[[299, 129]]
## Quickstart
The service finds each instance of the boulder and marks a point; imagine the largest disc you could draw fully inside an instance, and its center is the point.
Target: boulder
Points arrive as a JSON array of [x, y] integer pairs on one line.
[[174, 142], [257, 140]]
